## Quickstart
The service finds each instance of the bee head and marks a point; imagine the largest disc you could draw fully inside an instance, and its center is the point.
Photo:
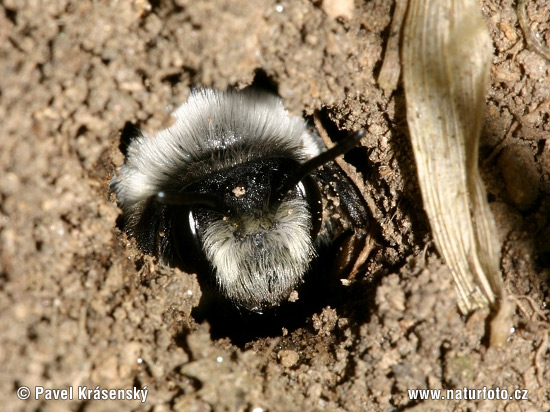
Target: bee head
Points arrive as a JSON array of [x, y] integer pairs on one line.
[[258, 242], [255, 223]]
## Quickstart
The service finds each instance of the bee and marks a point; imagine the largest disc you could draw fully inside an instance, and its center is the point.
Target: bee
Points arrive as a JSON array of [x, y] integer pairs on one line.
[[243, 193]]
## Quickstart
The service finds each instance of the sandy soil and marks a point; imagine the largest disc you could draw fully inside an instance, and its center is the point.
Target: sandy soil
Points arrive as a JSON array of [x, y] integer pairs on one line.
[[81, 306]]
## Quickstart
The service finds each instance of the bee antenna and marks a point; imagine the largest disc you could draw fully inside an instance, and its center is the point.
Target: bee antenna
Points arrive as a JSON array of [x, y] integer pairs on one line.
[[306, 168], [205, 200]]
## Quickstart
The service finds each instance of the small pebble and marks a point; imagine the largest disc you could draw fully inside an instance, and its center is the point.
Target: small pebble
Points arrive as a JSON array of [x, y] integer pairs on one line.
[[521, 178], [288, 358]]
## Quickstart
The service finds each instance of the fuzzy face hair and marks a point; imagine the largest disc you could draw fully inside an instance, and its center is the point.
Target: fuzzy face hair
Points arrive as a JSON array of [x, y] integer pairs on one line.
[[258, 254], [259, 261]]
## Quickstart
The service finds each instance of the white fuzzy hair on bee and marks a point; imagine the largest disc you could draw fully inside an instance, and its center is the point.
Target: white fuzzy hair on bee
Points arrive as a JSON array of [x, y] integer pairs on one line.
[[232, 184]]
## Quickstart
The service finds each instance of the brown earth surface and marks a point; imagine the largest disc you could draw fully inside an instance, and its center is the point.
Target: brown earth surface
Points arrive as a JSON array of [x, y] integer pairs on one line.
[[81, 306]]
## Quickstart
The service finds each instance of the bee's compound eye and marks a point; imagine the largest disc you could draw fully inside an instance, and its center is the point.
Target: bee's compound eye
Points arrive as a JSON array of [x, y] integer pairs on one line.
[[192, 224], [308, 189], [301, 189], [185, 236]]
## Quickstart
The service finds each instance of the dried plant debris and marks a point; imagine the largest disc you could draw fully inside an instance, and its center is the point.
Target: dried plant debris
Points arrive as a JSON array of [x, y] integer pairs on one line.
[[391, 67], [446, 59], [532, 41]]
